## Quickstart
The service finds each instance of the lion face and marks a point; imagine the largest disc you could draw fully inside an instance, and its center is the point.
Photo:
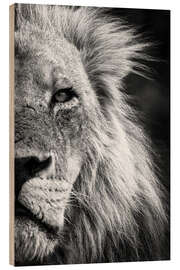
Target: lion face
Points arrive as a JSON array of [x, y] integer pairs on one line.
[[51, 130]]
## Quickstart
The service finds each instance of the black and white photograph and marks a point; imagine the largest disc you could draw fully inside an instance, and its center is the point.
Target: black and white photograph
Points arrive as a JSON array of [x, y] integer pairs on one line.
[[90, 134]]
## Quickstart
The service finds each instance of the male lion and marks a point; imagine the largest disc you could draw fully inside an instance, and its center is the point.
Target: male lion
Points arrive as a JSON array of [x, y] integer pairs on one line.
[[85, 184]]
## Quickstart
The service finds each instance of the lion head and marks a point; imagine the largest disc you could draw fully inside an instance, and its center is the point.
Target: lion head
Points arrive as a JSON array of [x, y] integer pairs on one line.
[[85, 185]]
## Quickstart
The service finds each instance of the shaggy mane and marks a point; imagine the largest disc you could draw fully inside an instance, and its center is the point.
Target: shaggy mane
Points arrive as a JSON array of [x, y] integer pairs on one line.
[[117, 207]]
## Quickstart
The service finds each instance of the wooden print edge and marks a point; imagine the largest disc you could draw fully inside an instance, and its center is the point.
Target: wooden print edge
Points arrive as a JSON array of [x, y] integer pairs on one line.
[[11, 135]]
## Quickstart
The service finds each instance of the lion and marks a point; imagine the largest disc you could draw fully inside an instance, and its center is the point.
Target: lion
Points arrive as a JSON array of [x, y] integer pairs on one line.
[[86, 184]]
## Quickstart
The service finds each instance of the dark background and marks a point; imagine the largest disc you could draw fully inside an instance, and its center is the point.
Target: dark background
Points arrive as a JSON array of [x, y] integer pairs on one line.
[[152, 97]]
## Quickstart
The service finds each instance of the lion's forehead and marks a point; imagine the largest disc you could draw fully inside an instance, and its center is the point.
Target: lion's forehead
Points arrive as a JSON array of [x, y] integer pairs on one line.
[[39, 62], [36, 45]]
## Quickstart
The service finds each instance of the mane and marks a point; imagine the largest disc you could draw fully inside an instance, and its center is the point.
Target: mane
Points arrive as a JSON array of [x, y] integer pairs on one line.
[[117, 210]]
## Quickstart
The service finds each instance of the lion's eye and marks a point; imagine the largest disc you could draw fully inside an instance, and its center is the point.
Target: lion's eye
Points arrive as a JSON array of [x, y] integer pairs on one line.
[[64, 99], [63, 95]]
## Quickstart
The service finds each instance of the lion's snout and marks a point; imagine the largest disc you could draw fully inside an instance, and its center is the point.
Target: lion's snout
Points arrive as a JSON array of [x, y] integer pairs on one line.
[[35, 182]]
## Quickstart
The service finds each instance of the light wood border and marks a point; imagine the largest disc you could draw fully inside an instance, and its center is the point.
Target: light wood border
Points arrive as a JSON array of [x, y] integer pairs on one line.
[[11, 135]]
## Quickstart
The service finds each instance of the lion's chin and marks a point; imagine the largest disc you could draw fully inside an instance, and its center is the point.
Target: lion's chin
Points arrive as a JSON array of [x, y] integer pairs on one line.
[[33, 242]]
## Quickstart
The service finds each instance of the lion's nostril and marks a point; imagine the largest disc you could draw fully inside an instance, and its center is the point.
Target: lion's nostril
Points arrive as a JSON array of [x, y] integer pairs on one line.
[[35, 165], [28, 167]]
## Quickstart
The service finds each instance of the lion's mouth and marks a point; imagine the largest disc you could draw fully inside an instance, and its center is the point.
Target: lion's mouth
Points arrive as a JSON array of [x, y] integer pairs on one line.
[[22, 212]]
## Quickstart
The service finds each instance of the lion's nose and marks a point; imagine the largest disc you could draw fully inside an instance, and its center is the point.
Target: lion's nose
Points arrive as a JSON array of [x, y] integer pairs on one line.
[[29, 167]]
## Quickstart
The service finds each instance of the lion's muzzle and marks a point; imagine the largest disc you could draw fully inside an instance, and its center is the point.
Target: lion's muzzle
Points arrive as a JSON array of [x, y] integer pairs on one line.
[[40, 196]]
